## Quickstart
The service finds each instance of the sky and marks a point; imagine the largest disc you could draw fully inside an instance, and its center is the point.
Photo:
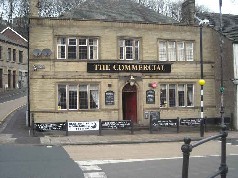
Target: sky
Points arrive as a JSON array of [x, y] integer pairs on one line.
[[228, 6]]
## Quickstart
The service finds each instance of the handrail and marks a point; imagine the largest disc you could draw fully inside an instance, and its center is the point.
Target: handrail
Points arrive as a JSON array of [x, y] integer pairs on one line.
[[187, 148]]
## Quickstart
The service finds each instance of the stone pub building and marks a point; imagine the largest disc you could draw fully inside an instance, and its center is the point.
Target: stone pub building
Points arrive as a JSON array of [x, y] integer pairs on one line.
[[118, 60]]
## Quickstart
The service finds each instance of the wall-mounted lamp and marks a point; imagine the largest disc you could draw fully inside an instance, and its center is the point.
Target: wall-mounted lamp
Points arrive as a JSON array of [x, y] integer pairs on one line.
[[132, 80]]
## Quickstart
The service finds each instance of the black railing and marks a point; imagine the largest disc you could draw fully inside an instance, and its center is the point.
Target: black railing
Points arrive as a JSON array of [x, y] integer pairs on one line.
[[187, 147]]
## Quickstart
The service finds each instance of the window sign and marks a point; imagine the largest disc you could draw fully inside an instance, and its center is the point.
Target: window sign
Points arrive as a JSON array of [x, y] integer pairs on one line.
[[109, 98], [150, 97]]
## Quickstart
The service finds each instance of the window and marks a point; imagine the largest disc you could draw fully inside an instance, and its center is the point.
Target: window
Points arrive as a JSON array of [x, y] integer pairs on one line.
[[0, 52], [180, 51], [74, 97], [175, 50], [20, 56], [171, 51], [9, 54], [61, 96], [14, 55], [61, 48], [1, 78], [129, 49], [77, 48], [162, 51], [189, 51], [177, 95], [72, 48]]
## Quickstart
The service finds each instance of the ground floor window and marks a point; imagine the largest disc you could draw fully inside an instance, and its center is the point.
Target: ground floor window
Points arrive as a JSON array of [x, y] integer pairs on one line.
[[176, 95], [80, 96]]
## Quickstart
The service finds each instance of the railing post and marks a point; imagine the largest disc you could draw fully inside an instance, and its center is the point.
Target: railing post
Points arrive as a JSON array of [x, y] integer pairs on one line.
[[223, 167], [177, 122], [132, 127], [186, 149], [100, 127], [67, 126]]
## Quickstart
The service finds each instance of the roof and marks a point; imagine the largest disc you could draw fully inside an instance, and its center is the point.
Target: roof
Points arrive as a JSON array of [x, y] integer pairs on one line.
[[229, 21], [116, 10], [9, 35]]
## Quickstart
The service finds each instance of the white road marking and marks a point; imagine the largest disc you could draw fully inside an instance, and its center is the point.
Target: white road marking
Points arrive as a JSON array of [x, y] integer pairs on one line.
[[90, 168], [95, 175], [98, 162]]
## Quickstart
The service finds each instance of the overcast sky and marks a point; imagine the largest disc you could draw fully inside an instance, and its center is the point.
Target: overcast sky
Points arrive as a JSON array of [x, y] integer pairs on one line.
[[228, 6]]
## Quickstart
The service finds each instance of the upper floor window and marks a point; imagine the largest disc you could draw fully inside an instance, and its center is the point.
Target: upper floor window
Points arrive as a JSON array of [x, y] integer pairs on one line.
[[176, 95], [9, 54], [175, 50], [129, 49], [14, 55], [0, 52], [20, 56], [77, 48]]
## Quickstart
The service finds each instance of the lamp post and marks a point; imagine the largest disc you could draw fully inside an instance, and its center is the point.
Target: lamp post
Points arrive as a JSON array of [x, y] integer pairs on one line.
[[221, 57], [201, 83]]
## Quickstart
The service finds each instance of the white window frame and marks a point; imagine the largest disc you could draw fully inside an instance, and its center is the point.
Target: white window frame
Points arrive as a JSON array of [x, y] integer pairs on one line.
[[168, 52], [87, 45], [90, 87], [135, 48], [166, 104], [61, 45], [180, 51], [189, 51], [74, 45]]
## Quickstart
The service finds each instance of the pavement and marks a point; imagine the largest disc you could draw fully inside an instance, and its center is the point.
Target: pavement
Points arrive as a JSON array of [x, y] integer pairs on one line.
[[24, 133]]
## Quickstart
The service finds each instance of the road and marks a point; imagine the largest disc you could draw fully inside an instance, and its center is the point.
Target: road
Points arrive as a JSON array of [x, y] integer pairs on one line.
[[150, 160], [26, 161]]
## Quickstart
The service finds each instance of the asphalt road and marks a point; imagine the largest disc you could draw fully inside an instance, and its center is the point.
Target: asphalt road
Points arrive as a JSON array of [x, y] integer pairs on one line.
[[15, 129], [26, 161], [200, 167]]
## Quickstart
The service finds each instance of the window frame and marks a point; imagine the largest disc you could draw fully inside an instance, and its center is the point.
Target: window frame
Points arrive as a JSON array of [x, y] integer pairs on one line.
[[78, 101], [124, 48], [166, 102], [165, 52], [92, 50]]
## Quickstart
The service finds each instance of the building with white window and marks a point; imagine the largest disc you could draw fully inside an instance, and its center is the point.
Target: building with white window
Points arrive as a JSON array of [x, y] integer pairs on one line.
[[117, 60]]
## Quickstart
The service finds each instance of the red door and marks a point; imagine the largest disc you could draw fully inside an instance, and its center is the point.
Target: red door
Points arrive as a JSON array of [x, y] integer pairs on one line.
[[129, 100]]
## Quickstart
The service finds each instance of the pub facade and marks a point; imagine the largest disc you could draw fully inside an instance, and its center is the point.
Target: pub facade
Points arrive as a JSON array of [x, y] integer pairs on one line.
[[89, 69]]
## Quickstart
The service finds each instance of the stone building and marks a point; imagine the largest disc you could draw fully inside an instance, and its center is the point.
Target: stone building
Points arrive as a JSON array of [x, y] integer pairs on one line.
[[13, 60], [117, 60]]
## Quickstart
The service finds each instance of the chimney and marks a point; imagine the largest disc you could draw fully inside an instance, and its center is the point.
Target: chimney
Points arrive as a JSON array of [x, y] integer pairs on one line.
[[34, 8], [188, 11]]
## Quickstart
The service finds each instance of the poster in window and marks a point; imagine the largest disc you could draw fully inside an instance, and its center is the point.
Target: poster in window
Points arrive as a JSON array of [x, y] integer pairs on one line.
[[109, 98], [150, 97]]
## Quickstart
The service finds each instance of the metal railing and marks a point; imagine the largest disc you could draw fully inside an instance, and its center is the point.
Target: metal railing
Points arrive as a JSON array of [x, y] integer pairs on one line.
[[187, 148]]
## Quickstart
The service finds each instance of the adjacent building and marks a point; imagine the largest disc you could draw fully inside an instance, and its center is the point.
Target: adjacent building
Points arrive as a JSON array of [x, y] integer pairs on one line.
[[13, 60], [118, 60]]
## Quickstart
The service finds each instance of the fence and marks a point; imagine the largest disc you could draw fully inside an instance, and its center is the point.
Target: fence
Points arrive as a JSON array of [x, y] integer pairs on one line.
[[98, 126], [187, 147]]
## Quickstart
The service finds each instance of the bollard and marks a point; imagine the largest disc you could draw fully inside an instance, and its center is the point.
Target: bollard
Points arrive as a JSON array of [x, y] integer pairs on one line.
[[223, 166], [186, 149]]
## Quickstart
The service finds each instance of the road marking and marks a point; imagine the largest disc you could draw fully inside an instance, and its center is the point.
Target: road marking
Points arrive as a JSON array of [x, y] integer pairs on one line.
[[98, 162], [95, 175], [90, 167]]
